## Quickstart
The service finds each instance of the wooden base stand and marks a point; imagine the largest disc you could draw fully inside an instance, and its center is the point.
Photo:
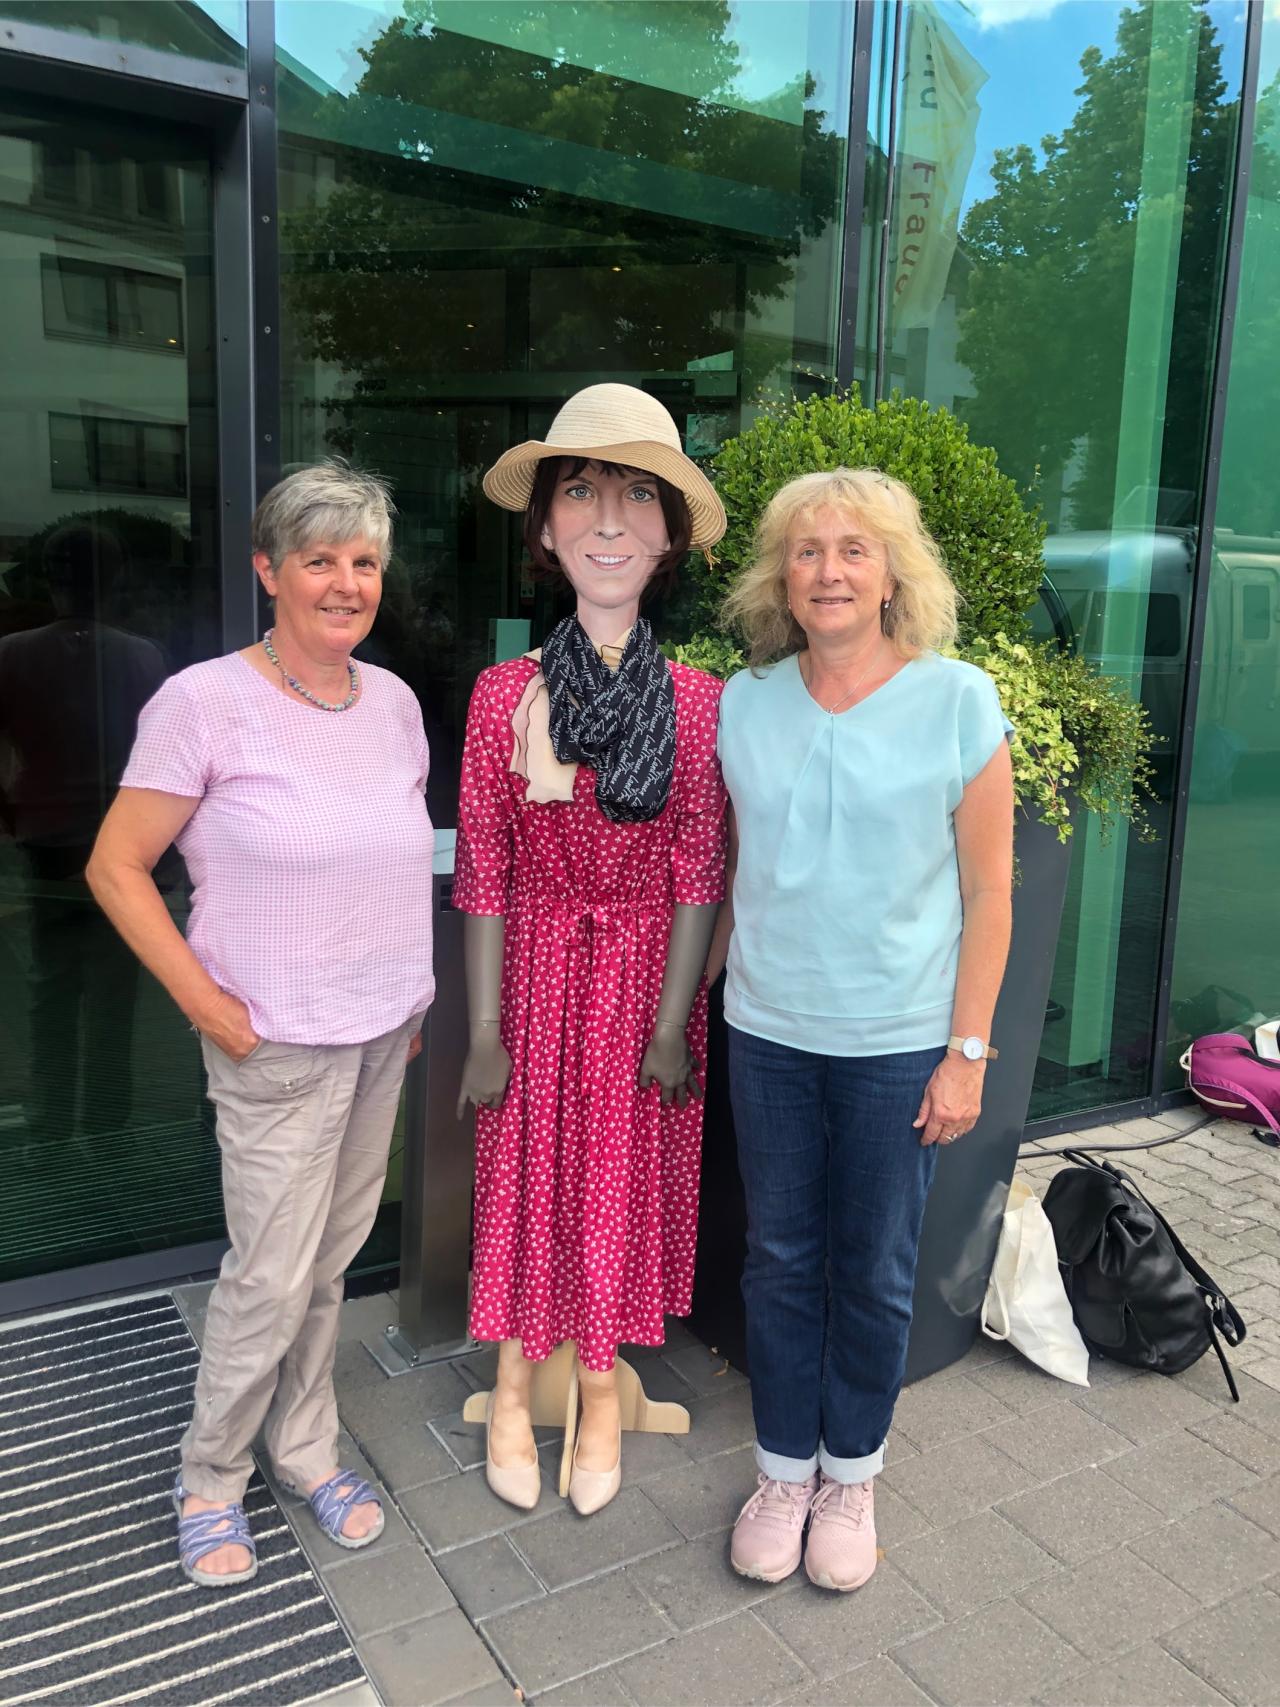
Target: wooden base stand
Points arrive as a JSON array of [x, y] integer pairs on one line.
[[554, 1404]]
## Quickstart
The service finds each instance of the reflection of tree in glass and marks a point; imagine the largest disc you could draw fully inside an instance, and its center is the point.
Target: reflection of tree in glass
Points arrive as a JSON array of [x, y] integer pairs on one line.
[[575, 171], [1249, 500], [1045, 324]]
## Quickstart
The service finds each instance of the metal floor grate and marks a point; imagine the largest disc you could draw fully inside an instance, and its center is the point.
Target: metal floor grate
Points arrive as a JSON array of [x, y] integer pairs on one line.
[[93, 1607]]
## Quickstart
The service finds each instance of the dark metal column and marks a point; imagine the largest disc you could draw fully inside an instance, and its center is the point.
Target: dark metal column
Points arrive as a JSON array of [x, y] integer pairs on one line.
[[233, 322], [864, 19], [1254, 21], [264, 222], [891, 147], [439, 1156]]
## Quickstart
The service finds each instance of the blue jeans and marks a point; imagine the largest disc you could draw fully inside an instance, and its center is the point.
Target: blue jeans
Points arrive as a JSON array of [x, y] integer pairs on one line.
[[836, 1180]]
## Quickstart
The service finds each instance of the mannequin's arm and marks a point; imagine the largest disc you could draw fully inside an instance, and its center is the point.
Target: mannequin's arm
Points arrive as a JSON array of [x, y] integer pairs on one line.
[[488, 1066], [668, 1061], [724, 923]]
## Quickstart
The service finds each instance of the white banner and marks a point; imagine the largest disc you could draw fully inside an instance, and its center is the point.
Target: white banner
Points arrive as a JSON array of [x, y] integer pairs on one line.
[[937, 139]]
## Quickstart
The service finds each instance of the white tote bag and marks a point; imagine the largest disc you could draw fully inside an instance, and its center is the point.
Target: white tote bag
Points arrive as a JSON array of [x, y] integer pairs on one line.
[[1026, 1302]]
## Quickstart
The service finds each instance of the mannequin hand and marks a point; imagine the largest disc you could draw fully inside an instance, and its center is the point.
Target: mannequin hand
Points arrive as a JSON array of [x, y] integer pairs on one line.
[[669, 1062], [485, 1071], [227, 1027], [952, 1099]]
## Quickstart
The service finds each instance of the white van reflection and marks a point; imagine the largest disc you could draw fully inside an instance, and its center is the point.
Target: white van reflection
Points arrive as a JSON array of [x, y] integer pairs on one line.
[[1137, 587]]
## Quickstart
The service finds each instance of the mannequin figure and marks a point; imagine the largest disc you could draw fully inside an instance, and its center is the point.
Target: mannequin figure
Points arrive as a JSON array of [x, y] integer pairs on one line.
[[591, 864]]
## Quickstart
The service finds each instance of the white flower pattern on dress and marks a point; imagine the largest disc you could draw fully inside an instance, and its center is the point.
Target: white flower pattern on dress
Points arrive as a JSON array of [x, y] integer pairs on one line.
[[586, 1199]]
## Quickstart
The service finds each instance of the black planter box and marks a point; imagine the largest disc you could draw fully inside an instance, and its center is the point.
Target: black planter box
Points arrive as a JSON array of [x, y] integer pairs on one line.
[[962, 1221]]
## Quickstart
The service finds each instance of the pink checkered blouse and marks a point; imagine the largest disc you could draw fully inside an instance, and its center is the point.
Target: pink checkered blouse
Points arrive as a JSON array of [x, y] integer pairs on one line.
[[310, 851]]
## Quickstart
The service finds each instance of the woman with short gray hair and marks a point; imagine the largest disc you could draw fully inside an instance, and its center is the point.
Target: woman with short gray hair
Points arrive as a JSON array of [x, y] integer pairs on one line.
[[292, 781]]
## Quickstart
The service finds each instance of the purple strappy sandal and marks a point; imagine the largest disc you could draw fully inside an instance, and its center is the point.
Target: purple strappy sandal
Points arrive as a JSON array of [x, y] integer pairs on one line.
[[204, 1532], [332, 1508]]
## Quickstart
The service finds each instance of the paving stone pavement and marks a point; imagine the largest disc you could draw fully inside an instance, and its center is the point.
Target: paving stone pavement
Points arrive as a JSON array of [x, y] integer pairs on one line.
[[1044, 1545]]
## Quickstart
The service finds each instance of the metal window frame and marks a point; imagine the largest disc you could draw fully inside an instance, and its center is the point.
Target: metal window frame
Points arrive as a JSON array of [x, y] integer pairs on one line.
[[93, 457], [264, 243], [890, 189], [60, 265], [855, 198], [118, 59], [1254, 23]]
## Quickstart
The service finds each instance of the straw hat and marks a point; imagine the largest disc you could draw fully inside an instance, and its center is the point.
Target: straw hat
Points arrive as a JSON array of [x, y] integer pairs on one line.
[[613, 423]]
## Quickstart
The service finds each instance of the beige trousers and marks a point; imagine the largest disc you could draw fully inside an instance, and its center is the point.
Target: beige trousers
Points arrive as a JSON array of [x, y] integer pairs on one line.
[[304, 1134]]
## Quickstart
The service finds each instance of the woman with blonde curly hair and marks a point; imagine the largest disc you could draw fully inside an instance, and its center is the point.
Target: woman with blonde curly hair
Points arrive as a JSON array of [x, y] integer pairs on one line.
[[866, 931]]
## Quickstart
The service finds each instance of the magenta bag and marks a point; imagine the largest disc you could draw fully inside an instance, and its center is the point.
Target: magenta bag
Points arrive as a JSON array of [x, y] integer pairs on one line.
[[1231, 1080]]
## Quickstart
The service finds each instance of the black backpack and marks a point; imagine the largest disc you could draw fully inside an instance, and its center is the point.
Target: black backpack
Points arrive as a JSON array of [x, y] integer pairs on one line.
[[1137, 1294]]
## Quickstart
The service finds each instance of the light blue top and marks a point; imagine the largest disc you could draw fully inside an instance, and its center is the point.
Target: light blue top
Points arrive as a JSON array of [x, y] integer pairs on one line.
[[846, 903]]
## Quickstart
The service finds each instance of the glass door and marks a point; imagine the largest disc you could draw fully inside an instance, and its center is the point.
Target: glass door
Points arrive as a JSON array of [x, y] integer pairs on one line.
[[108, 583]]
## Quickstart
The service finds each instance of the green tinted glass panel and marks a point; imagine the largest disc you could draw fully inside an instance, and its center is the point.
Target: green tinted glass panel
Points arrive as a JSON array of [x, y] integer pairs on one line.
[[872, 257], [108, 582], [1055, 253], [212, 30], [1226, 966], [485, 207]]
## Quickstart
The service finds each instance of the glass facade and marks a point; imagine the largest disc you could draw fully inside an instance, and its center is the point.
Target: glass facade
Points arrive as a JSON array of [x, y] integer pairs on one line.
[[484, 207], [1060, 292], [476, 208], [108, 581], [1226, 971]]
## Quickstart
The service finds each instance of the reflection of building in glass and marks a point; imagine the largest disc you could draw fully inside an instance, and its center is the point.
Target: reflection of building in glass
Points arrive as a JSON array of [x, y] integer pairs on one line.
[[473, 208], [70, 694], [104, 338], [107, 581]]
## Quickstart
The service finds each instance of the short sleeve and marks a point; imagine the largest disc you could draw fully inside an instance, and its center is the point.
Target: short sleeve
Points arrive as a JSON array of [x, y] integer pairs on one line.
[[697, 859], [982, 723], [171, 751], [482, 860]]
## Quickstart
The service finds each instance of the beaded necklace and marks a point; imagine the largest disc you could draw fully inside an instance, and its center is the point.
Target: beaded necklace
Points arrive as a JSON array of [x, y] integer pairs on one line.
[[306, 693]]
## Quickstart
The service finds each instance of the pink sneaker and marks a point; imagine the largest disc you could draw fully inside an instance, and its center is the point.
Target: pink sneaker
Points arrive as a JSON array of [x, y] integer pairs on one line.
[[841, 1550], [769, 1533]]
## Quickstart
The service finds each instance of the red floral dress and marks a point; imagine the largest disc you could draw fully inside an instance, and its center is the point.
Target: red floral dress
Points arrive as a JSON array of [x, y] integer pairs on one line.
[[586, 1197]]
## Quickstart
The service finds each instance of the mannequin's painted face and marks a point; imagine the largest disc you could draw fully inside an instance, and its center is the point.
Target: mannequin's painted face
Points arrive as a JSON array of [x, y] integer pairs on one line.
[[608, 531], [837, 576]]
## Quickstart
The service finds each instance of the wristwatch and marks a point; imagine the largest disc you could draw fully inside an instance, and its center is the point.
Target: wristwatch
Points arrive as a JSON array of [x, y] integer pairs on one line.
[[973, 1048]]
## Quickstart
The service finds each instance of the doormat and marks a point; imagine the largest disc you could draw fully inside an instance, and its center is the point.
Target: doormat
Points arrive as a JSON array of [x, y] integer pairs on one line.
[[94, 1609]]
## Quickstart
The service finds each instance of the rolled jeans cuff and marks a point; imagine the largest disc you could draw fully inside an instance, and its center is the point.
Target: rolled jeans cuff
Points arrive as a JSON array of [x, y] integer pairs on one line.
[[780, 1469], [849, 1470]]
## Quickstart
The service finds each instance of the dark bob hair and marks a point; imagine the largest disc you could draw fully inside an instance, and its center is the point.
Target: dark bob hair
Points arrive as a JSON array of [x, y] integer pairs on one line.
[[675, 512]]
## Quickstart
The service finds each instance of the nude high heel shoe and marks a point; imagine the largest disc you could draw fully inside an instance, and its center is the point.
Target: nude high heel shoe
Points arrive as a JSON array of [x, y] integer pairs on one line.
[[518, 1484], [590, 1490]]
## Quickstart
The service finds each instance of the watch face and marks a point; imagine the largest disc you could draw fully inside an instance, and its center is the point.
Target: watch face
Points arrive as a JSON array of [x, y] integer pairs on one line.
[[974, 1048]]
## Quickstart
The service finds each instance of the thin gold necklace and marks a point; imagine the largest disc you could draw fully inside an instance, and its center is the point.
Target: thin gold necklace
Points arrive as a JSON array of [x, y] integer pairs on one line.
[[832, 709]]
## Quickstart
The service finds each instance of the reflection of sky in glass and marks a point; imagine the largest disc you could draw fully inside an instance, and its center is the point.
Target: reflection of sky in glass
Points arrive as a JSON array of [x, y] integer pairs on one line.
[[228, 15], [1030, 50]]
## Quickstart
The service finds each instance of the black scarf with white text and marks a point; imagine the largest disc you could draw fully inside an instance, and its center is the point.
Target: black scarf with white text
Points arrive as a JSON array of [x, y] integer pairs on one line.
[[622, 723]]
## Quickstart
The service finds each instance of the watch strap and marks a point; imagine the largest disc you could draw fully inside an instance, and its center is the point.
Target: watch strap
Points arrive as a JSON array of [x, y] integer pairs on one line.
[[989, 1053]]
